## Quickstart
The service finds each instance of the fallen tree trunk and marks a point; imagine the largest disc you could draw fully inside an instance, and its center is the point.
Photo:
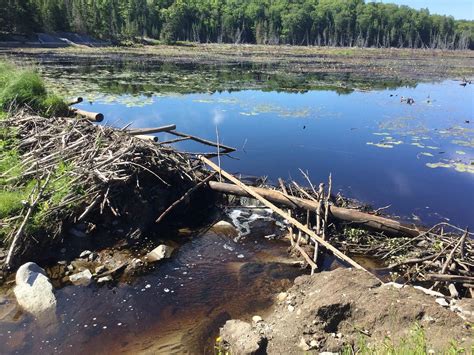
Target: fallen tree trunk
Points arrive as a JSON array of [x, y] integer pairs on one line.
[[381, 224]]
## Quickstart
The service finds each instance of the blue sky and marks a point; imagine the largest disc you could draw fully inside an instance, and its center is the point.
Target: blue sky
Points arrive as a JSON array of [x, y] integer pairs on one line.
[[459, 9]]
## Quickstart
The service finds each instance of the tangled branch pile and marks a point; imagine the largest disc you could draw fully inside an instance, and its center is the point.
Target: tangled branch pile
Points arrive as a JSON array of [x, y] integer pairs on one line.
[[443, 255], [58, 171]]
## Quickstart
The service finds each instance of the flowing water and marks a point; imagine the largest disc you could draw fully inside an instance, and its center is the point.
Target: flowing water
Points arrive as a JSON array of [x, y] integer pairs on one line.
[[417, 158]]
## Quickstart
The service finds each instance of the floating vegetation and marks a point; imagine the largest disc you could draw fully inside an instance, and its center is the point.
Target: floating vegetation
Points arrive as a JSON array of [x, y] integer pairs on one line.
[[458, 166], [380, 145]]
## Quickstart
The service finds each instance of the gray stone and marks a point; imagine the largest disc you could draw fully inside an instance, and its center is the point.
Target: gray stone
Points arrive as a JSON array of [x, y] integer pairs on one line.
[[159, 253], [34, 292], [241, 337], [103, 279], [82, 278]]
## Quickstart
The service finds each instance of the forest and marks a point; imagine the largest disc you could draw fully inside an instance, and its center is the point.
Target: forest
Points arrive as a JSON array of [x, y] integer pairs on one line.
[[295, 22]]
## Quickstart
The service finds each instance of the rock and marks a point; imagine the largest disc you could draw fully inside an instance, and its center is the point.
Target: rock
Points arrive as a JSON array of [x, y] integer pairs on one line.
[[442, 302], [291, 308], [257, 319], [303, 345], [83, 278], [85, 254], [241, 338], [107, 278], [226, 228], [282, 296], [159, 253], [34, 291]]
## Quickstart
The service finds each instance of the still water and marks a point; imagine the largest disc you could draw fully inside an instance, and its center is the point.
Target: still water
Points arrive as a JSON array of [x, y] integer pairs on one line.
[[417, 158]]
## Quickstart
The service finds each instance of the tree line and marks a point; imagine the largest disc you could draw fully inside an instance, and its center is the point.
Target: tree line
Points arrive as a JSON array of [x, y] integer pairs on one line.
[[296, 22]]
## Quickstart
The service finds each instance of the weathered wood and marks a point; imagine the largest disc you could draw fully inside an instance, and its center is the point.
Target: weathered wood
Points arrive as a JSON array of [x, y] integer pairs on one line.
[[226, 148], [450, 278], [147, 138], [142, 131], [366, 220], [283, 214], [91, 116]]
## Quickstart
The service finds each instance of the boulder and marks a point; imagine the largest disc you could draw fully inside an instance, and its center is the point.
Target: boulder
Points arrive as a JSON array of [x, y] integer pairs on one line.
[[83, 278], [34, 291], [241, 337], [159, 253], [225, 228]]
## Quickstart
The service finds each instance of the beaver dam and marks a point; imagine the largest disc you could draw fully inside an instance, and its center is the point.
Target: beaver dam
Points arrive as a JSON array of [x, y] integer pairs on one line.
[[104, 207]]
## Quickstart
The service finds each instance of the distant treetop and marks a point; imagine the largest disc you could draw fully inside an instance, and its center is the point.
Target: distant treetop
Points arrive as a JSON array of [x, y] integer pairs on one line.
[[298, 22]]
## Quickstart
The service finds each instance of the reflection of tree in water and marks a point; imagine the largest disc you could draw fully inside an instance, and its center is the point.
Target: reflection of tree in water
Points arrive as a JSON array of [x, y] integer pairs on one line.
[[150, 78]]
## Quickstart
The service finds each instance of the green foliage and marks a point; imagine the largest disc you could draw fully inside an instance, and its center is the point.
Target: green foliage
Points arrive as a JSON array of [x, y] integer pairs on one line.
[[308, 22], [25, 88], [414, 343]]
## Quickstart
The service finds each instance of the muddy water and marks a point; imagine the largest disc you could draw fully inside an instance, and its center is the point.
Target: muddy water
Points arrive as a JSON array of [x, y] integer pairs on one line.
[[175, 309]]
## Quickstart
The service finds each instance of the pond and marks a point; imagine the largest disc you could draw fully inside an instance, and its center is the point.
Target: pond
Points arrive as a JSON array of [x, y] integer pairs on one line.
[[418, 158]]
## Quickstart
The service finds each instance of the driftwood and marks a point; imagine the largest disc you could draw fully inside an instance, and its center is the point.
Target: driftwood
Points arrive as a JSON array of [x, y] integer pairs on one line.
[[91, 116], [283, 214], [142, 131], [363, 219]]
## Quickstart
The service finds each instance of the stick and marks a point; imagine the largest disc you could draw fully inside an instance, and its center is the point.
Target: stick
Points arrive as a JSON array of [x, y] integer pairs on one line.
[[189, 192], [290, 229], [141, 131], [296, 223], [203, 141], [450, 278], [19, 233]]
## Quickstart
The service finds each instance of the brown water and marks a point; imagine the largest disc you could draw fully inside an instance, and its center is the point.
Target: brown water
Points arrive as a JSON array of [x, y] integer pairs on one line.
[[176, 308]]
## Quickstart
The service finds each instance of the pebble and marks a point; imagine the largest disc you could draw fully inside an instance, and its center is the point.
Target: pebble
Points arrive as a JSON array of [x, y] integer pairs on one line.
[[105, 279], [257, 319], [291, 308], [282, 296]]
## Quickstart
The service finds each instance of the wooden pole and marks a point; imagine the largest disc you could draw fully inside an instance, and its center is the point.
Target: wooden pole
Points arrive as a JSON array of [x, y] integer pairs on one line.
[[147, 138], [366, 220], [283, 214]]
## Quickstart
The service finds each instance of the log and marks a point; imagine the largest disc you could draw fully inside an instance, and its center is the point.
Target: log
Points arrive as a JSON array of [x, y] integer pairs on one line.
[[77, 100], [142, 131], [450, 278], [365, 220], [91, 116], [296, 223], [147, 138]]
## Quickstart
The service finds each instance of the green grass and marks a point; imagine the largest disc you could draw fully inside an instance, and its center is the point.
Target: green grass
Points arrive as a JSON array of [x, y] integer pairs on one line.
[[20, 88], [24, 88], [415, 343]]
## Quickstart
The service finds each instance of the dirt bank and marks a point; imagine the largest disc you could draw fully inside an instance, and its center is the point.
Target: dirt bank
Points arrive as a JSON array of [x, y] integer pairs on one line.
[[346, 310]]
